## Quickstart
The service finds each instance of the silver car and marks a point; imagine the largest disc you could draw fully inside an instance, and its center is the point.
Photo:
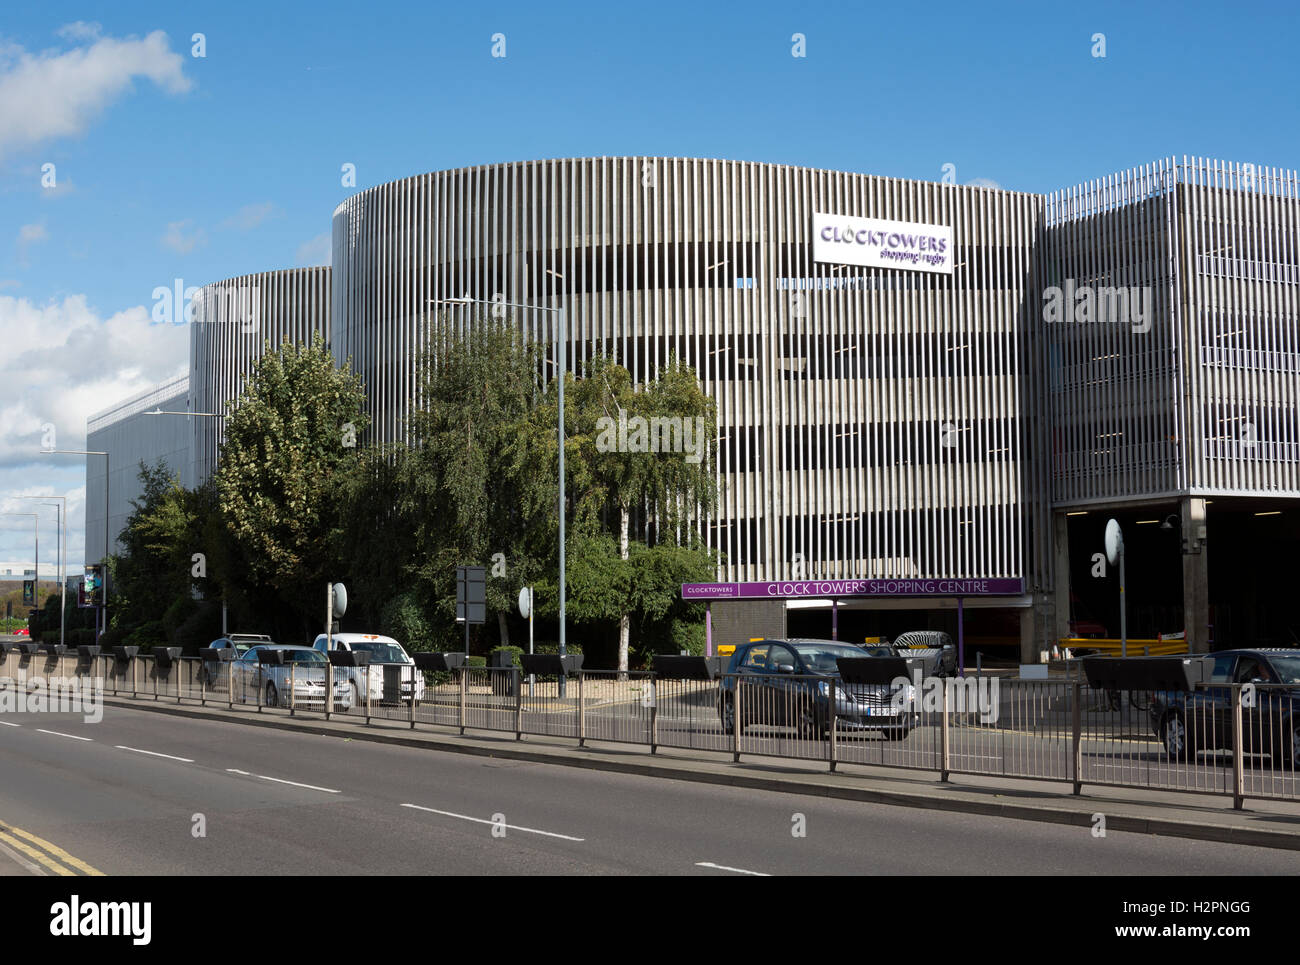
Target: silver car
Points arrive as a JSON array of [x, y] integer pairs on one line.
[[303, 671]]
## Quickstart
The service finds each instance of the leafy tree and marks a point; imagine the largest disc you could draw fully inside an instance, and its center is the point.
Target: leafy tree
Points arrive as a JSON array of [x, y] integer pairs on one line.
[[290, 439]]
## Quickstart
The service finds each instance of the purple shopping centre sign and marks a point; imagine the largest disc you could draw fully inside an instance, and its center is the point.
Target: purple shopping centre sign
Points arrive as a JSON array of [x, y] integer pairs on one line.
[[803, 589]]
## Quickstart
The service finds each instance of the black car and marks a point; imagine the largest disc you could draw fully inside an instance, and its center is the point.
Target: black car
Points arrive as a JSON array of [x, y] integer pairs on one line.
[[1201, 720], [787, 683]]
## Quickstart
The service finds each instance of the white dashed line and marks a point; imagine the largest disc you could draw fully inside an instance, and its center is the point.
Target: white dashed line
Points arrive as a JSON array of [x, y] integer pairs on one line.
[[512, 827], [183, 760], [58, 734], [10, 724], [739, 871], [277, 780]]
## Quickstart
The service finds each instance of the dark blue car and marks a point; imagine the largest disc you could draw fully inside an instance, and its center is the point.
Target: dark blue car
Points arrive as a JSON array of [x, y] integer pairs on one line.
[[1201, 720], [787, 684]]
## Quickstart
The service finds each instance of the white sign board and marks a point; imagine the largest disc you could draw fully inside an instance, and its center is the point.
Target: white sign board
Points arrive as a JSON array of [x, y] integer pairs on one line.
[[870, 243]]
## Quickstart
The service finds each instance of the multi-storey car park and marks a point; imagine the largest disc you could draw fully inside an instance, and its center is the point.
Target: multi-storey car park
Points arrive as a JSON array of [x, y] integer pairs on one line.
[[931, 397]]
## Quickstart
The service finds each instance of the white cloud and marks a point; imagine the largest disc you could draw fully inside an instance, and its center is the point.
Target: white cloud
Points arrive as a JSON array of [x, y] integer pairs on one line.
[[64, 362], [983, 183], [175, 237], [59, 93], [249, 216], [80, 30], [28, 235], [317, 251]]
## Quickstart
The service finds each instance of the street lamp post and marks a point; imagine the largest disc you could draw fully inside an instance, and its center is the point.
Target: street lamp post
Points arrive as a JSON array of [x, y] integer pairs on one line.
[[563, 367], [107, 477], [205, 415], [60, 556]]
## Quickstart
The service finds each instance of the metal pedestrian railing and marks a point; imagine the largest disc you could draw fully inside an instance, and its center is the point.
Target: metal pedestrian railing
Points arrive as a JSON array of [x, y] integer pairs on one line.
[[1237, 740]]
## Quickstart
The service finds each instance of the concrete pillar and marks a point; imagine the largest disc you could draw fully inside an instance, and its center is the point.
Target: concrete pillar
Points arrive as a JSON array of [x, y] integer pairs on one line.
[[1060, 576], [1029, 648], [1196, 576]]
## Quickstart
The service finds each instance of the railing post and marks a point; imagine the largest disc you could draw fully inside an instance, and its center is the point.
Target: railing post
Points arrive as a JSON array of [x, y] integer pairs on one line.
[[735, 723], [329, 690], [399, 687], [203, 683], [653, 684], [260, 692], [1076, 737], [1238, 765], [582, 710], [230, 684], [833, 716], [155, 678], [944, 761], [464, 693], [135, 691], [367, 693], [518, 682], [293, 689]]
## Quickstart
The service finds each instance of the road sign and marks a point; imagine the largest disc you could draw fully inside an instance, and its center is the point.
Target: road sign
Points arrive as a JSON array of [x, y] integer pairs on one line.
[[29, 592], [471, 594], [1114, 541], [526, 602], [340, 599]]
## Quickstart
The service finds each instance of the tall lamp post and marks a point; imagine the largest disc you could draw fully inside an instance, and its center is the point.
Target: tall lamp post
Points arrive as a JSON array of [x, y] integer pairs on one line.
[[107, 478], [562, 351], [36, 573], [60, 556], [203, 415]]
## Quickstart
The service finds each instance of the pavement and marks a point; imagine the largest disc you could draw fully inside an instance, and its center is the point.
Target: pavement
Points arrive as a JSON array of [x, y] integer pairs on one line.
[[1205, 817], [157, 789]]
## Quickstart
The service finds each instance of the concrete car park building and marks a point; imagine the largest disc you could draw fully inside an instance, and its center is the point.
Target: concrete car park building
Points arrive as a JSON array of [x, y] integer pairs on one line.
[[929, 395]]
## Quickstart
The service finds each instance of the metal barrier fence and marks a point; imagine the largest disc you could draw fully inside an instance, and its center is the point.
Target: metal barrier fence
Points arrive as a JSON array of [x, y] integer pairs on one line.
[[1236, 740]]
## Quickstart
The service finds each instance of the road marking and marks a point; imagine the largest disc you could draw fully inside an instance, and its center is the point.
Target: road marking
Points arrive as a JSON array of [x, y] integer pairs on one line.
[[59, 734], [512, 827], [10, 724], [739, 871], [23, 862], [44, 859], [58, 852], [183, 760], [277, 780]]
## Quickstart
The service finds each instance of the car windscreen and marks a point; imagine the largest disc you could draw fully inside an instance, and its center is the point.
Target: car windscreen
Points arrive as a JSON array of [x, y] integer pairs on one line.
[[821, 657], [1287, 667], [380, 652]]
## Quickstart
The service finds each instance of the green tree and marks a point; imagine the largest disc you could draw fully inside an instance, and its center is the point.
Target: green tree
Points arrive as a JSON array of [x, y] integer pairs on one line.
[[290, 440]]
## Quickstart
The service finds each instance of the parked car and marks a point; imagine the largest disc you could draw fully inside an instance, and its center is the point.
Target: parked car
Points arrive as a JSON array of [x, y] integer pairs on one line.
[[787, 683], [214, 672], [1202, 720], [934, 645], [392, 675], [269, 684]]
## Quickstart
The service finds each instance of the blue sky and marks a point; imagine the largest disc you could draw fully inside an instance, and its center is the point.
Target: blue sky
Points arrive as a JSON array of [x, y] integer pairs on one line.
[[172, 166]]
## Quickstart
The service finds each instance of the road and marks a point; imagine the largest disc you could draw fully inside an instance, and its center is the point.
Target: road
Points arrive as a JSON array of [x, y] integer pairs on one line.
[[126, 796]]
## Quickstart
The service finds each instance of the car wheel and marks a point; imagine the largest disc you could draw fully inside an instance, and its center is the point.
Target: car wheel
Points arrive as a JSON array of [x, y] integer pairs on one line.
[[1177, 740], [809, 729], [1293, 729], [896, 733], [272, 695]]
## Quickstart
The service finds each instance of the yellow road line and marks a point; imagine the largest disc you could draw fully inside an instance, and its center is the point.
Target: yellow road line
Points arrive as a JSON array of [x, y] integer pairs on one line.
[[44, 859], [58, 853]]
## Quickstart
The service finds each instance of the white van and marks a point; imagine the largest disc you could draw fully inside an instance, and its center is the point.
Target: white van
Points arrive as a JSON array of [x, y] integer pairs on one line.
[[393, 675]]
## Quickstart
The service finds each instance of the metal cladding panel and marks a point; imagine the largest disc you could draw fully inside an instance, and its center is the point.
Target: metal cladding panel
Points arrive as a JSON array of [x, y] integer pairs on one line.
[[1199, 398], [131, 436], [233, 322], [872, 422]]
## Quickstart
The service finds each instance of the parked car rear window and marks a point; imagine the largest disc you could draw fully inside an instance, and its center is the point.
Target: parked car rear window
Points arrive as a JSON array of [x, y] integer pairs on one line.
[[1288, 668], [381, 652]]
